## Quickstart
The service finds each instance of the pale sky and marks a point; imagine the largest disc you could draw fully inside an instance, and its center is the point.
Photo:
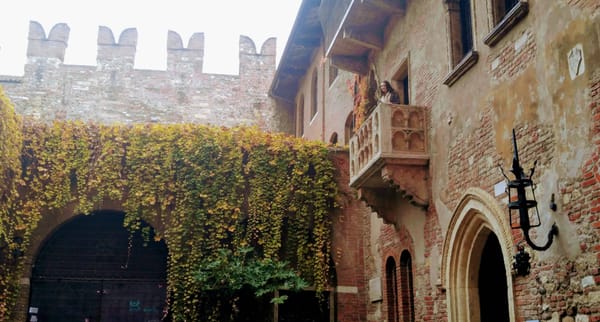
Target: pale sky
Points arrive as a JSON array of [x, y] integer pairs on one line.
[[222, 21]]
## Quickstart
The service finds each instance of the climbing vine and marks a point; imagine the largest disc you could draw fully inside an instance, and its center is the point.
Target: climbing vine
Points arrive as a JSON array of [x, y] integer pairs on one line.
[[202, 188], [363, 96], [10, 150]]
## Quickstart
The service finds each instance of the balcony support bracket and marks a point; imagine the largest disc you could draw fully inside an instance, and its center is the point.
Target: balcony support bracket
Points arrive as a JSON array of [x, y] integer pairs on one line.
[[380, 201], [409, 182]]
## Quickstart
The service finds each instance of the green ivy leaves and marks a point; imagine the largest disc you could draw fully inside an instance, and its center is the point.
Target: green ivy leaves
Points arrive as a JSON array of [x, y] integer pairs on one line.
[[205, 190], [11, 226]]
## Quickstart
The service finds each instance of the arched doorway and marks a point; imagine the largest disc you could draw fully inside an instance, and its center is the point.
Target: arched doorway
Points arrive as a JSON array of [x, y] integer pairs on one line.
[[475, 261], [493, 303], [92, 267]]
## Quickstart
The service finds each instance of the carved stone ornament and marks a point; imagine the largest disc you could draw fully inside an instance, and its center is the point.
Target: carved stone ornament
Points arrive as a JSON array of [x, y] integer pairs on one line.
[[576, 61]]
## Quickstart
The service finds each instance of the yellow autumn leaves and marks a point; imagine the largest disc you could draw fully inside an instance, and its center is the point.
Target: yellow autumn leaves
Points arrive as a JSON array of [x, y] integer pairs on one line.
[[202, 188]]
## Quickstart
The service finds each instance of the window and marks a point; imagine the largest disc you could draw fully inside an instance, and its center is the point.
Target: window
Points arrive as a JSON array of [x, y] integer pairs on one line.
[[466, 28], [333, 139], [404, 98], [462, 53], [349, 128], [501, 9], [300, 117], [391, 290], [333, 72], [406, 288], [401, 83], [313, 94], [461, 29], [505, 15]]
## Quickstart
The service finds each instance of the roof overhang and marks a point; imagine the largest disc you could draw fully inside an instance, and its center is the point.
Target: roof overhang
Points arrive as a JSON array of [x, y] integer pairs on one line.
[[349, 30], [355, 28], [305, 37]]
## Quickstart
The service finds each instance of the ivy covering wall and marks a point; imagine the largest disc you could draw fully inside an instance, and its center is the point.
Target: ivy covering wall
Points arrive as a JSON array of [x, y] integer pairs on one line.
[[10, 150], [202, 188]]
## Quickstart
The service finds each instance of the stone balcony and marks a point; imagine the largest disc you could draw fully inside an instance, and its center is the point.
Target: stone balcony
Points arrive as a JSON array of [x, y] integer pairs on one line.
[[389, 154]]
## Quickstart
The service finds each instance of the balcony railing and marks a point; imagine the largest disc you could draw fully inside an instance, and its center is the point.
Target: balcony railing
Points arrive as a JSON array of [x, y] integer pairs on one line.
[[392, 135]]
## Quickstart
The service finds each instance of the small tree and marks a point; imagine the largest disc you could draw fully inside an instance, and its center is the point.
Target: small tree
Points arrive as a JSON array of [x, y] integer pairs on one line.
[[228, 277]]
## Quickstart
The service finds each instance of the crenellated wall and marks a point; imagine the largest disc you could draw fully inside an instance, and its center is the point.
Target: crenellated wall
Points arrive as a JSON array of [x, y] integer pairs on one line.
[[114, 91]]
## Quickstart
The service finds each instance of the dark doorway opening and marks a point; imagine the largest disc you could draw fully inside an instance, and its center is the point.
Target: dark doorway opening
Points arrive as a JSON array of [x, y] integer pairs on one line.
[[305, 306], [493, 293], [94, 268]]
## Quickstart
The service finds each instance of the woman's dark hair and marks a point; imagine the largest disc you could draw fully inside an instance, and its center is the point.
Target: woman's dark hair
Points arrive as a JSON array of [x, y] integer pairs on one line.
[[387, 85]]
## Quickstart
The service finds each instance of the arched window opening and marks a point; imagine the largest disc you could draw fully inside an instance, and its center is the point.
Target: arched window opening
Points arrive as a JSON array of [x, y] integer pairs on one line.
[[391, 290], [349, 128], [333, 139], [406, 288], [300, 117], [313, 94]]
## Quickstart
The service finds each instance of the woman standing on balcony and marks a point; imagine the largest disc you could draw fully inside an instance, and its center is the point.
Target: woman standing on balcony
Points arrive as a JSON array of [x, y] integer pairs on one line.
[[388, 94]]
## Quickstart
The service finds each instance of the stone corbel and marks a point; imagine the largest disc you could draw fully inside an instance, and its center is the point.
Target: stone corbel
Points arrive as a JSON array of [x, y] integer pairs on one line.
[[380, 200], [411, 181], [405, 181]]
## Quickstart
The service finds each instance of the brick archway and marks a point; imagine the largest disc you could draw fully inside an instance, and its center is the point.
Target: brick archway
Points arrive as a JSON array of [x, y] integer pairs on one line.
[[46, 227], [92, 267], [476, 217]]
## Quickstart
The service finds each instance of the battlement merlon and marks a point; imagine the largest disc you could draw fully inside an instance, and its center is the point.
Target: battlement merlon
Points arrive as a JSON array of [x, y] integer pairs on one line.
[[180, 59], [251, 61], [112, 54], [120, 55], [53, 46]]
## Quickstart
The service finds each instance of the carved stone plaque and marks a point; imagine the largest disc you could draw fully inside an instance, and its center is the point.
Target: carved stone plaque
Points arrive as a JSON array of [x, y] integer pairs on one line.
[[576, 61]]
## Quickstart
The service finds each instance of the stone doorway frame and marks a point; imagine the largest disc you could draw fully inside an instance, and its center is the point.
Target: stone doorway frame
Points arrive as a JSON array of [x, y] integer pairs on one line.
[[476, 216]]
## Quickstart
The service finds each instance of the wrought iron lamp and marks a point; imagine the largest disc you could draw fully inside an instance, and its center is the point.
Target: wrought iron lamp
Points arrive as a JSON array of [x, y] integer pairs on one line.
[[523, 187]]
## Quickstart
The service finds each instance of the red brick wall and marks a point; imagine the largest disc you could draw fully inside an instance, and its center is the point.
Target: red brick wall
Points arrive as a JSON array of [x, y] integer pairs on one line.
[[348, 248], [514, 57], [583, 211]]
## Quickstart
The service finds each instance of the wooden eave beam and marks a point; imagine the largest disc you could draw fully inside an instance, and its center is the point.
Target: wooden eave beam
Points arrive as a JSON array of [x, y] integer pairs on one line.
[[391, 6], [355, 64], [364, 38]]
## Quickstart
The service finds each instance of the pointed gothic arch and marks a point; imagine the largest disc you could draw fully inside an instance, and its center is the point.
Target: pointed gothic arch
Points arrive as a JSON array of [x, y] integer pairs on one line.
[[477, 217]]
